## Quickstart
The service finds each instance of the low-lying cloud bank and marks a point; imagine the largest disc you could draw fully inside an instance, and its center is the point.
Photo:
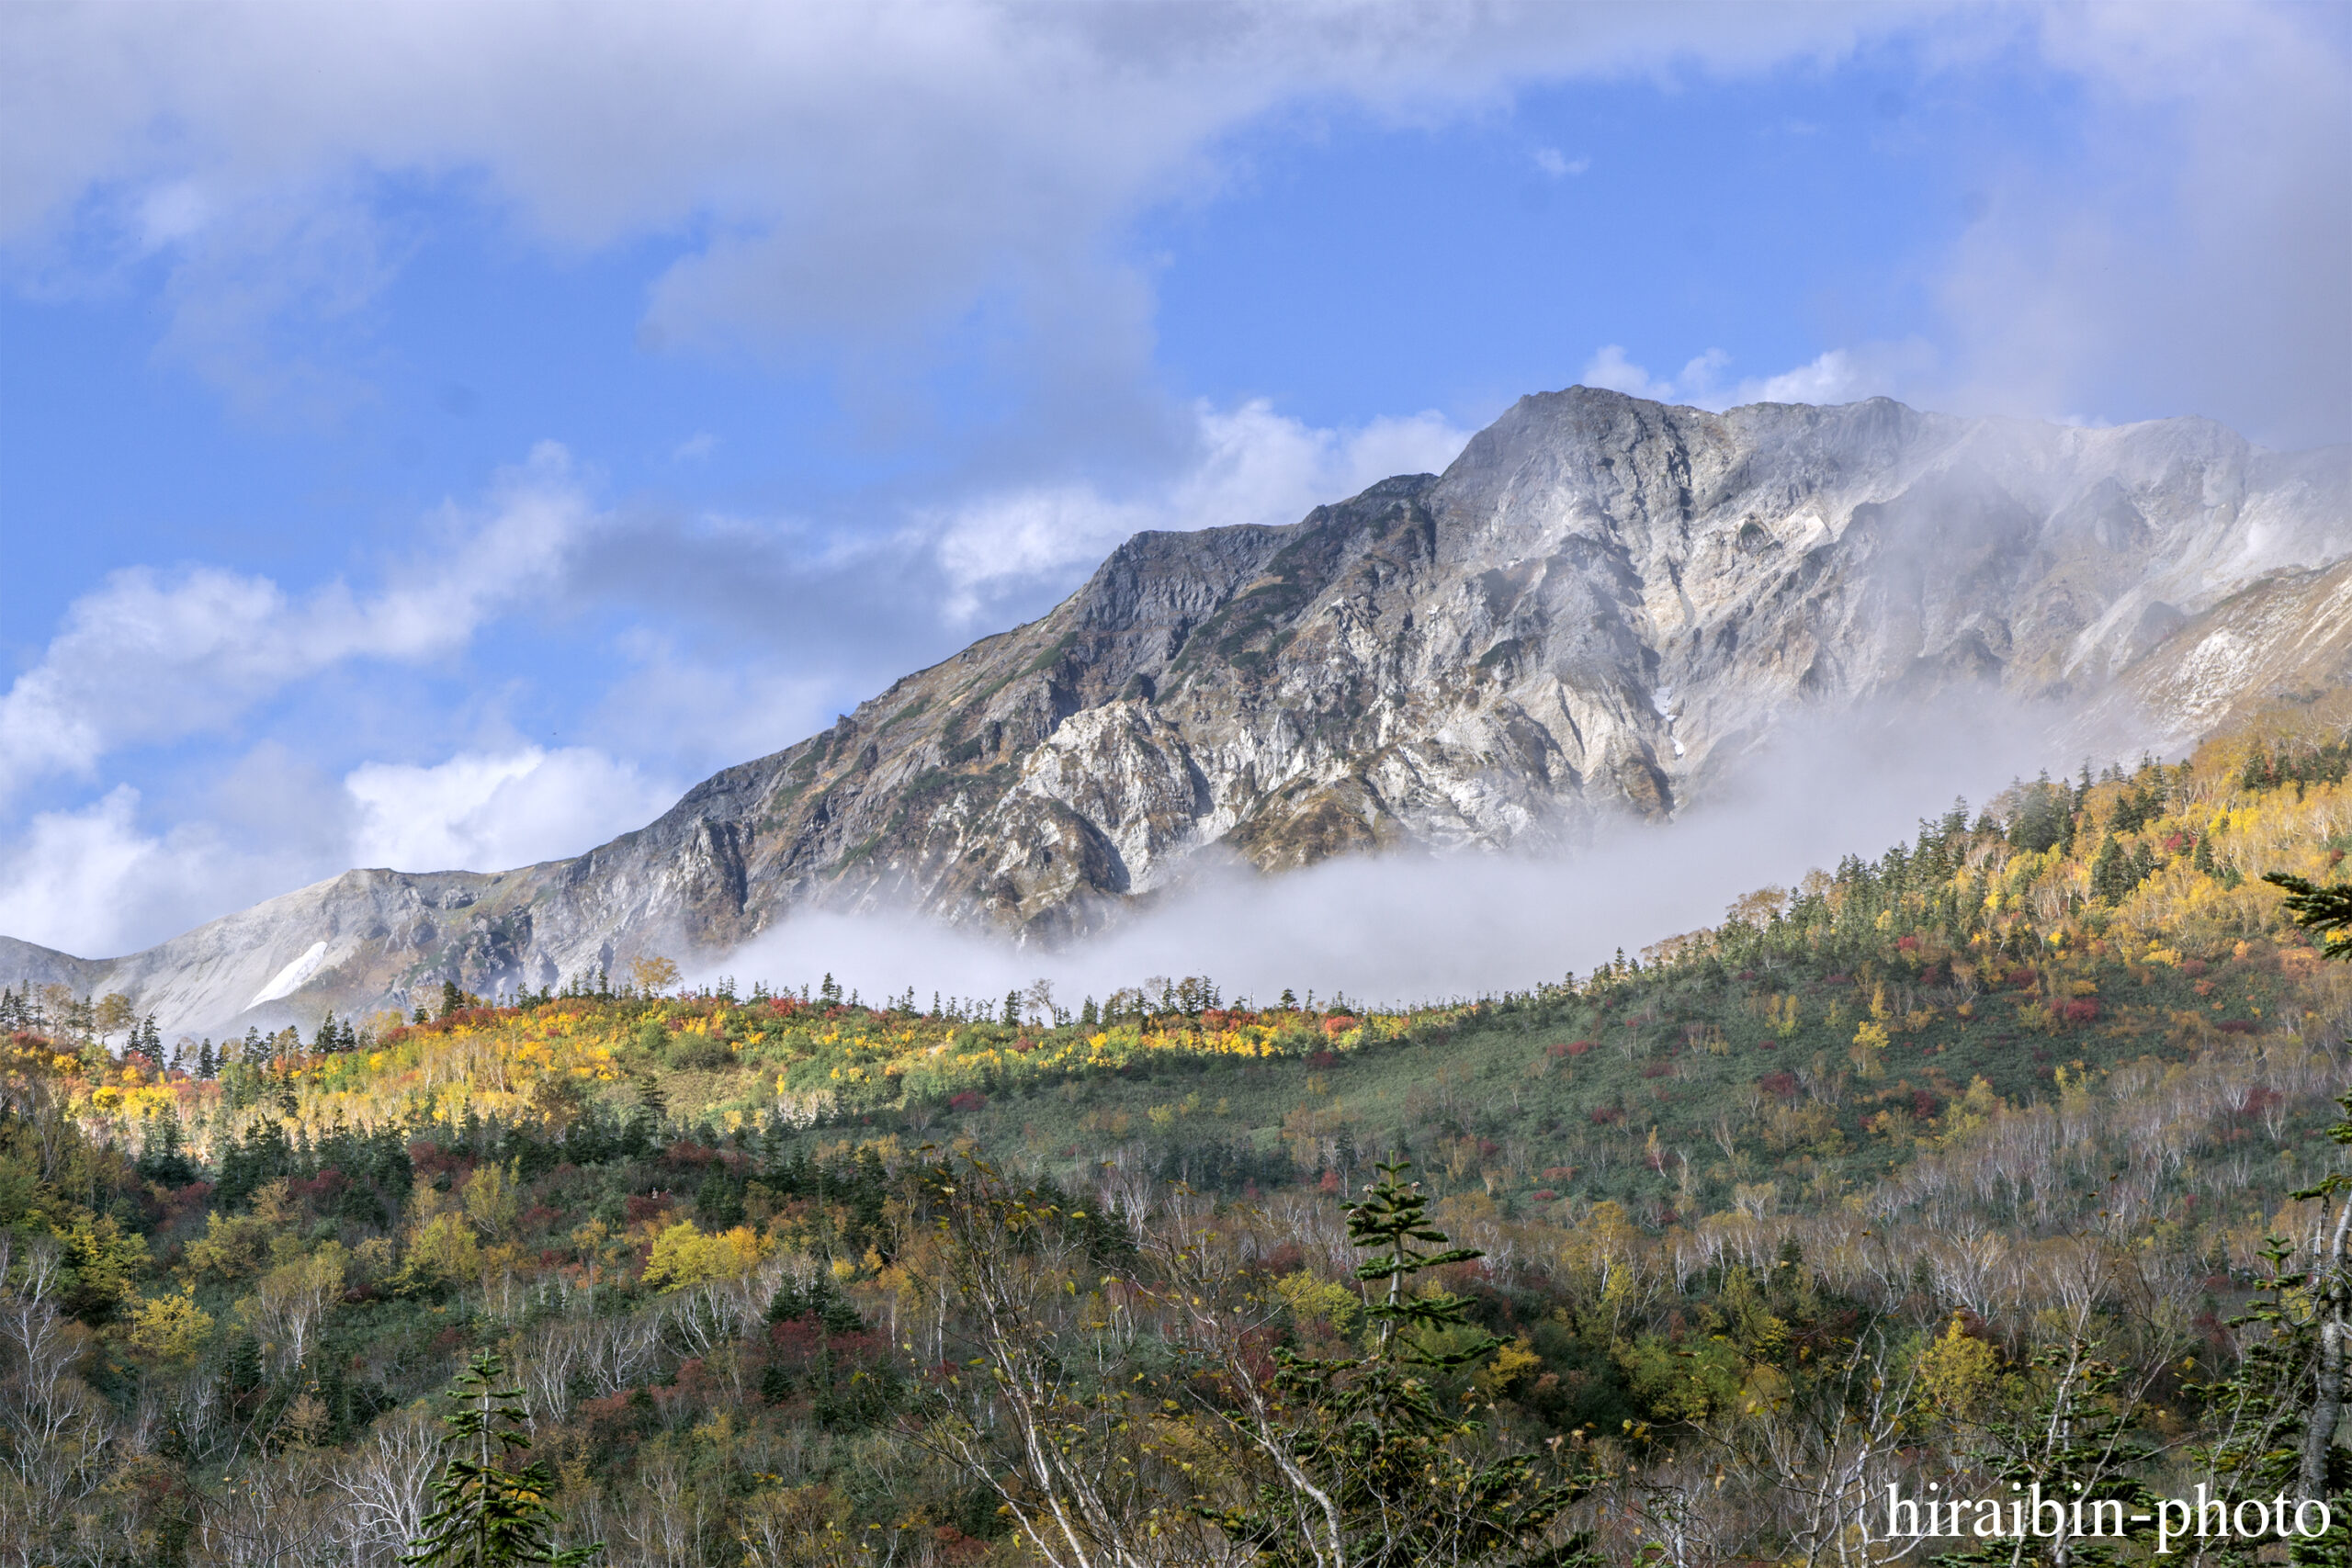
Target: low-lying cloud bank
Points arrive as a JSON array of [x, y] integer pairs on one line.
[[1412, 928]]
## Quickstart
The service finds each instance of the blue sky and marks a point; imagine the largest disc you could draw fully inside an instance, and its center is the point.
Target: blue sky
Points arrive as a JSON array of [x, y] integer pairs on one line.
[[437, 436]]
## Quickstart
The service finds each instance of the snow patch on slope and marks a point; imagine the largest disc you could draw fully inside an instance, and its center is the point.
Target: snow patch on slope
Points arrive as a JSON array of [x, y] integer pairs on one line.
[[291, 978]]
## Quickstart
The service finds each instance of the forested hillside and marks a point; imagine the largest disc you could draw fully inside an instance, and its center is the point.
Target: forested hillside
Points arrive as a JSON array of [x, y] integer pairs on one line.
[[1962, 1164]]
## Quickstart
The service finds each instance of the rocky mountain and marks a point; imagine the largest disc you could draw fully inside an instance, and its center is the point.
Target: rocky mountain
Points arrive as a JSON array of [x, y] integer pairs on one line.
[[1600, 606]]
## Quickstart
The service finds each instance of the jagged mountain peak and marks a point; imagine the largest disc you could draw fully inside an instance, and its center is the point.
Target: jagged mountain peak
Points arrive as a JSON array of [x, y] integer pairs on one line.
[[1597, 607]]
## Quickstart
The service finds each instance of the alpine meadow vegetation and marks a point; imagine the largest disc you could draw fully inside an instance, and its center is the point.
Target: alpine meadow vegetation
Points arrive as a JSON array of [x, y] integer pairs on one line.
[[2015, 1157]]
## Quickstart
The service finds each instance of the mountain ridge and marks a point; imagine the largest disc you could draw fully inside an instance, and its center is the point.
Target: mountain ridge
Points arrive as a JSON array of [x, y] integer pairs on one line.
[[1600, 606]]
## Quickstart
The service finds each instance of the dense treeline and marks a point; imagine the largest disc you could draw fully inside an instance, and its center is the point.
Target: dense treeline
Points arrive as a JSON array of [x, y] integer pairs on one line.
[[1971, 1164]]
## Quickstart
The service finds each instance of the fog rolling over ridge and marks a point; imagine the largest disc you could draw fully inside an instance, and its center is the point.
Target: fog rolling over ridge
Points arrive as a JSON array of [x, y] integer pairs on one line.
[[1416, 925], [1365, 749]]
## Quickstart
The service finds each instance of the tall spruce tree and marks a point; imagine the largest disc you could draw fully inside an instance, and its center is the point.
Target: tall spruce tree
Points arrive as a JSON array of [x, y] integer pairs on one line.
[[1374, 1471], [489, 1511]]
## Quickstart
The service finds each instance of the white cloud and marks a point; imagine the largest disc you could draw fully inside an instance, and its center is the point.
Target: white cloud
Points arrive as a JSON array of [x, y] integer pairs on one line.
[[1837, 376], [695, 448], [1250, 465], [66, 875], [1610, 368], [159, 656], [486, 812], [1834, 378], [1408, 927], [1844, 376], [2189, 255], [849, 175], [96, 881], [1558, 164]]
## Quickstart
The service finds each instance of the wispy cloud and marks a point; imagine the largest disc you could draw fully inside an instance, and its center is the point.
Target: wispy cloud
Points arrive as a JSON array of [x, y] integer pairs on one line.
[[852, 179], [156, 655], [1405, 927], [1250, 463], [2190, 255], [1836, 376], [488, 812]]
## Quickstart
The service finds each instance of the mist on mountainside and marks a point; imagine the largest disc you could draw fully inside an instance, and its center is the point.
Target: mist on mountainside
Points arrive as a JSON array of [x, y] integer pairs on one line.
[[1416, 926]]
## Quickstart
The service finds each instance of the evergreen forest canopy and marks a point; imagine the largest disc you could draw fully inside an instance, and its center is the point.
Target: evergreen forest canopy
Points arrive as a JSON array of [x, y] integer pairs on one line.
[[2012, 1156]]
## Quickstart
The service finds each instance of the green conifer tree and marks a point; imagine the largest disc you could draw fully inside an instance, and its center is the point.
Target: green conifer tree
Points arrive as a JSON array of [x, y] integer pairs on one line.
[[1375, 1471], [490, 1512], [2111, 871], [2327, 911], [651, 1117]]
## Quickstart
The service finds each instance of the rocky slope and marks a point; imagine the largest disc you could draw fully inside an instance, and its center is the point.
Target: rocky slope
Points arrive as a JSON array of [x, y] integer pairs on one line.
[[1599, 607]]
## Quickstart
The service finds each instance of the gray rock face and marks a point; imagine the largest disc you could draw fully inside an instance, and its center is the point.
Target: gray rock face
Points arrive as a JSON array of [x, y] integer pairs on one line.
[[1599, 607]]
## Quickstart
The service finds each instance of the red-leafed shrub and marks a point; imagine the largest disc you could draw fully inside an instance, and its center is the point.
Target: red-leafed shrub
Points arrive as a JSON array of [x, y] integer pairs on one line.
[[1543, 1195], [178, 1200], [1607, 1115], [1782, 1084], [1657, 1069], [951, 1548], [1925, 1107], [2259, 1099], [320, 1189], [1322, 1058], [2082, 1009], [967, 1100], [1340, 1023], [614, 1419], [430, 1159]]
